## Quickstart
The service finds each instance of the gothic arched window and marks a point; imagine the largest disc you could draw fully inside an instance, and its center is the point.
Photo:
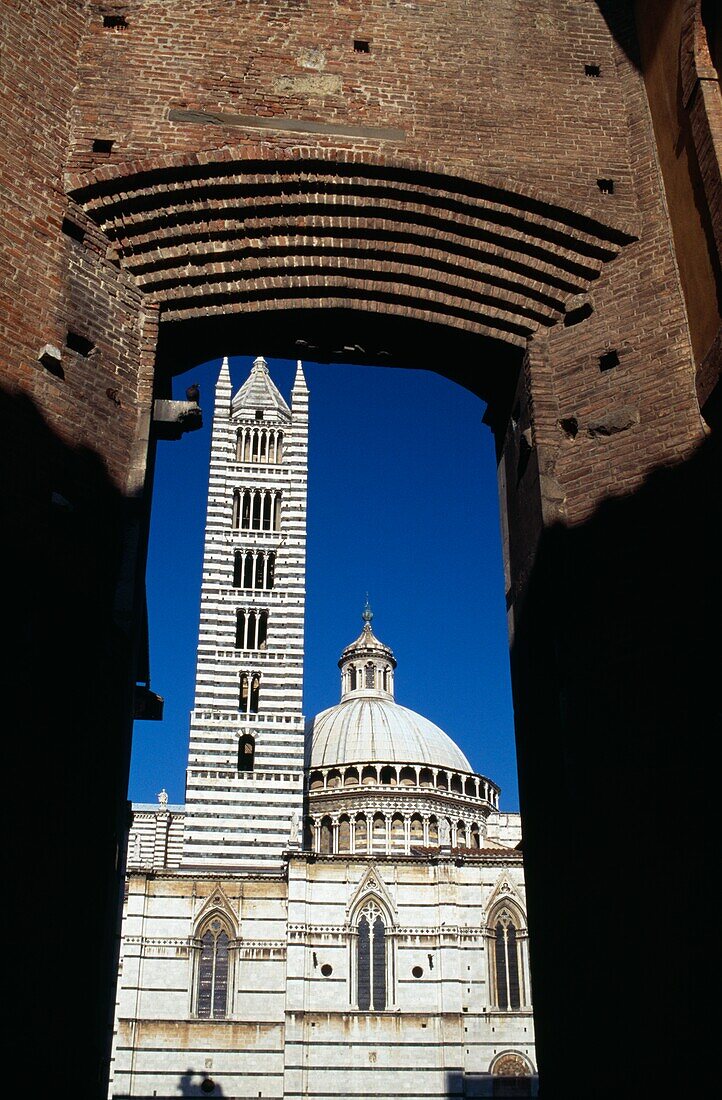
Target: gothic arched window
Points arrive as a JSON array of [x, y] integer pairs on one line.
[[212, 999], [371, 956], [506, 960]]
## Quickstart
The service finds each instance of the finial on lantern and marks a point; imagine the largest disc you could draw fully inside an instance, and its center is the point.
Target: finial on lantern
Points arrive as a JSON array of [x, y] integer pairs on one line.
[[368, 614]]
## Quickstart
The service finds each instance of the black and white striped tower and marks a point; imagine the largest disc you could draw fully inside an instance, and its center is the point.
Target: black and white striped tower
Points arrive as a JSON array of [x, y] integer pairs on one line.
[[244, 785]]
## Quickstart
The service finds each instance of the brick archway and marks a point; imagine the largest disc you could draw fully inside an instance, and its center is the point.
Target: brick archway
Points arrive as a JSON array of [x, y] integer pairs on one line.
[[261, 229]]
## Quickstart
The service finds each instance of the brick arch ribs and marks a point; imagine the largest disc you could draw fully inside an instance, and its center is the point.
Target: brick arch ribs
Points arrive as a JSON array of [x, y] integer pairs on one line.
[[241, 230]]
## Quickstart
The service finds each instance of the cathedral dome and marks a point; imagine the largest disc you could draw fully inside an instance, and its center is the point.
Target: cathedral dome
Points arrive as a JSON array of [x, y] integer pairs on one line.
[[368, 725], [371, 727]]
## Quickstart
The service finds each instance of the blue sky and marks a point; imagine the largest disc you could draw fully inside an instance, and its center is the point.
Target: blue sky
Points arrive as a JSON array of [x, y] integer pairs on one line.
[[403, 505]]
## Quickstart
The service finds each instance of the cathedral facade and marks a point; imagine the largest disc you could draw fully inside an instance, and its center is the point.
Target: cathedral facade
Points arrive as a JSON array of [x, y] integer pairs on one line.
[[338, 909]]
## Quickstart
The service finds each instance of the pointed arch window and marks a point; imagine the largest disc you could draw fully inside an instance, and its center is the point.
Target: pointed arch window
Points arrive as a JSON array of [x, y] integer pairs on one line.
[[371, 959], [212, 1000], [506, 960]]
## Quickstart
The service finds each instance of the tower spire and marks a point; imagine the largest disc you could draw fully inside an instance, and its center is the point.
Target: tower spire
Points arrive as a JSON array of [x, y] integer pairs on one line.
[[223, 385]]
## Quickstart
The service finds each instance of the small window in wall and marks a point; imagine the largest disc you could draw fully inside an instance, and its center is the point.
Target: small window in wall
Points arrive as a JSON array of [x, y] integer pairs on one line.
[[213, 972], [369, 676], [352, 678], [246, 752]]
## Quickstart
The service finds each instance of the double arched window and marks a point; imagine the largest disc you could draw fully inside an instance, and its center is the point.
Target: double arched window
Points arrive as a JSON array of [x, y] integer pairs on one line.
[[249, 693], [372, 958], [213, 968], [507, 959]]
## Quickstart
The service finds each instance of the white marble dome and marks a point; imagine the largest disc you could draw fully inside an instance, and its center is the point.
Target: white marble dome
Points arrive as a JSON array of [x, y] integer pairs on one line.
[[370, 727]]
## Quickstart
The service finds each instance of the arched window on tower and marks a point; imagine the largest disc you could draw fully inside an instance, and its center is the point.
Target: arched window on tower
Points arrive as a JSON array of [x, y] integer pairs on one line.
[[506, 959], [212, 1000], [352, 678], [371, 959], [246, 752], [369, 676], [254, 569], [249, 693], [241, 628]]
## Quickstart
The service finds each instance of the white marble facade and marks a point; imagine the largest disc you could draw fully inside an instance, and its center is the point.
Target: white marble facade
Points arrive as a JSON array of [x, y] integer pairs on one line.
[[339, 909]]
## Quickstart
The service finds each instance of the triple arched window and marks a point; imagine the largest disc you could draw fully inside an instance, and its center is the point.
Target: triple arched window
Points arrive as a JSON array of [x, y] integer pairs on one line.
[[251, 629], [213, 967]]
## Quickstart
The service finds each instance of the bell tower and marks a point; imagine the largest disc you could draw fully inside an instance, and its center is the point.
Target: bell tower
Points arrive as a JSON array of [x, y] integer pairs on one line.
[[244, 781]]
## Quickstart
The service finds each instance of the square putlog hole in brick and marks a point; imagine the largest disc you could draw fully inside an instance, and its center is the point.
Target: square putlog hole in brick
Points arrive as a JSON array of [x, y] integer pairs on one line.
[[73, 230], [103, 145], [609, 360], [361, 45], [75, 342], [592, 71]]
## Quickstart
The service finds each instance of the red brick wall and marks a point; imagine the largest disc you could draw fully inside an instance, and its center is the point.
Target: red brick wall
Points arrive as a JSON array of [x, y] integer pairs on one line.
[[470, 87]]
